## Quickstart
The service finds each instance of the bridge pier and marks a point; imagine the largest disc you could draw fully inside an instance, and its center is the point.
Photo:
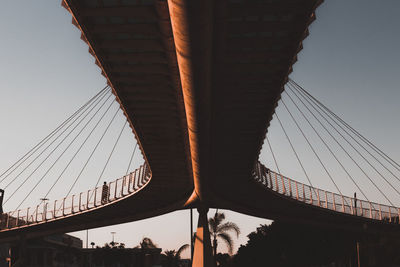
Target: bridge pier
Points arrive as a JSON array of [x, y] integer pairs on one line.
[[203, 256]]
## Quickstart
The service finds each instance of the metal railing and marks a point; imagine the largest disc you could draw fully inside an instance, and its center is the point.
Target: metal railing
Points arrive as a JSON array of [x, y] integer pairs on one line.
[[75, 204], [324, 199]]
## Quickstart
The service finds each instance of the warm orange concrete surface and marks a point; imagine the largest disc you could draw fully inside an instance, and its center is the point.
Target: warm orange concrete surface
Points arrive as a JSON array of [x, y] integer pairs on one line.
[[203, 255]]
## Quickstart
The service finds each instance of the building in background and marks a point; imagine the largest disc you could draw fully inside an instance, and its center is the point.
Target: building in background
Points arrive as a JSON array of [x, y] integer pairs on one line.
[[121, 257]]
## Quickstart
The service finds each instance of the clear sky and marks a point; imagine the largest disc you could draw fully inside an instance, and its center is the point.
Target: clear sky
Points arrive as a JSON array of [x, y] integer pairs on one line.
[[349, 62]]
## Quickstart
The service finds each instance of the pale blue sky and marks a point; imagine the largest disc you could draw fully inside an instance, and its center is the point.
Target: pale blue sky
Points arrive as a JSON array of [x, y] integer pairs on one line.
[[349, 62]]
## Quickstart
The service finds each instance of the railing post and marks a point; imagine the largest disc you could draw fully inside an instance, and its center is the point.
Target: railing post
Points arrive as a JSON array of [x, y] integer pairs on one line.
[[276, 182], [80, 201], [139, 178], [283, 185], [134, 181], [27, 215], [390, 215], [87, 199], [109, 191], [72, 204], [290, 187], [370, 210], [55, 207], [326, 200], [319, 202], [311, 198], [380, 212], [115, 191], [361, 208], [304, 194], [142, 176], [63, 207], [123, 185], [129, 183], [297, 191], [270, 180], [36, 215], [343, 209], [334, 202], [351, 207], [45, 210], [17, 221], [9, 215], [95, 195], [398, 214], [258, 168]]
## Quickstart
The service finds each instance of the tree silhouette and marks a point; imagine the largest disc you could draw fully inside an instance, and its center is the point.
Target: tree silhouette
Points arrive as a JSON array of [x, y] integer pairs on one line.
[[294, 244], [147, 243], [220, 230], [173, 257]]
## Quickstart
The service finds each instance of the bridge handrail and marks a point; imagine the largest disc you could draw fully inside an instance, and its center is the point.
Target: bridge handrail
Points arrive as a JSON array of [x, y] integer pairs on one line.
[[84, 201], [324, 199]]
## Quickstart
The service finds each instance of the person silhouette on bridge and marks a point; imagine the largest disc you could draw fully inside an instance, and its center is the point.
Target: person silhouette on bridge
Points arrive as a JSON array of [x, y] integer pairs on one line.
[[104, 193], [1, 200]]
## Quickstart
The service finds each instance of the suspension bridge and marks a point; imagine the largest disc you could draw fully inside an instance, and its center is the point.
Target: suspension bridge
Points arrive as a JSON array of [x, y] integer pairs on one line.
[[199, 83]]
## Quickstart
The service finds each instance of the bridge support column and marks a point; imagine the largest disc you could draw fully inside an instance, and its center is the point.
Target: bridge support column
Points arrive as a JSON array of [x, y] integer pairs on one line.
[[203, 256]]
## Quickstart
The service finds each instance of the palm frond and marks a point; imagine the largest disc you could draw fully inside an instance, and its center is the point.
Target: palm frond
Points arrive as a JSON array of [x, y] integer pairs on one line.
[[170, 253], [229, 226], [180, 250], [214, 221], [228, 241], [219, 217], [212, 225]]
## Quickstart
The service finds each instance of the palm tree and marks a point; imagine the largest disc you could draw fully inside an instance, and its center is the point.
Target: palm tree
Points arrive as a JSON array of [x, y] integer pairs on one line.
[[219, 230], [172, 257], [147, 243]]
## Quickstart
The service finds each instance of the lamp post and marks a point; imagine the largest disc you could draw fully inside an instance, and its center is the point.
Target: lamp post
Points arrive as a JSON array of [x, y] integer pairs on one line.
[[113, 233]]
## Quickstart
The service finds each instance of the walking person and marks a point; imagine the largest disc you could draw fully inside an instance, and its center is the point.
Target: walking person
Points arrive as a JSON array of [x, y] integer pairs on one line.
[[104, 194]]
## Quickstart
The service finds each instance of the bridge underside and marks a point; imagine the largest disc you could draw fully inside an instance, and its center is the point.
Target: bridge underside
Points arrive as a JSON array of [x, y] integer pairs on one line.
[[199, 82]]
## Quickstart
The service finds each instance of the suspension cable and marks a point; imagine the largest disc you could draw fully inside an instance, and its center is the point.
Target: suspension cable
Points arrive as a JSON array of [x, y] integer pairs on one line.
[[130, 161], [355, 140], [346, 152], [311, 146], [355, 132], [369, 163], [82, 144], [324, 142], [25, 157], [109, 157], [108, 160], [273, 155], [48, 147], [95, 148], [87, 123], [294, 151]]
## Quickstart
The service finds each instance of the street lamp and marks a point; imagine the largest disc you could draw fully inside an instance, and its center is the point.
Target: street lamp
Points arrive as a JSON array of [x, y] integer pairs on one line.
[[113, 233]]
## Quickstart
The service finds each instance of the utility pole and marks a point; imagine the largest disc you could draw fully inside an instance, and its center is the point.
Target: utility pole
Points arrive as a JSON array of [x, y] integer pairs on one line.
[[113, 233], [191, 236], [357, 243]]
